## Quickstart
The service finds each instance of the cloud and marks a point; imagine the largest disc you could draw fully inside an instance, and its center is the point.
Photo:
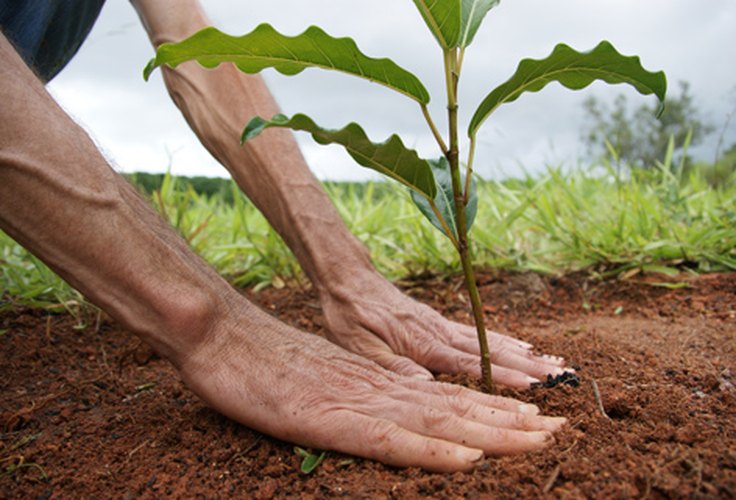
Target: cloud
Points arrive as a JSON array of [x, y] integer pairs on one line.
[[136, 123]]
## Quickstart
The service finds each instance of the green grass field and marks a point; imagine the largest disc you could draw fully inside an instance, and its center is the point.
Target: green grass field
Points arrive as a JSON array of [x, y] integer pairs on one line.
[[654, 221]]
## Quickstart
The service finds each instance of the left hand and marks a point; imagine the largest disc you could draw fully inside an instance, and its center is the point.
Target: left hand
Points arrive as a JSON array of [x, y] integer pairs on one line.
[[376, 320]]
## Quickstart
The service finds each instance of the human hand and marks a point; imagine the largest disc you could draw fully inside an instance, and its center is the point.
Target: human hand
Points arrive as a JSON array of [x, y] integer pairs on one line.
[[303, 389], [374, 319]]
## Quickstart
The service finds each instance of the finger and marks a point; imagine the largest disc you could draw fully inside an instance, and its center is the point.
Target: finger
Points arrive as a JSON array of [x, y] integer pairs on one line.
[[505, 339], [500, 341], [527, 361], [446, 359], [481, 433], [471, 333], [503, 375], [486, 412], [454, 392], [495, 411], [492, 439], [388, 442]]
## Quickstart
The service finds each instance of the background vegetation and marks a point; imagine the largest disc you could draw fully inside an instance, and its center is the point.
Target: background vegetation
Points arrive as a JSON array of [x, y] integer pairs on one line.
[[636, 138], [641, 207], [657, 220]]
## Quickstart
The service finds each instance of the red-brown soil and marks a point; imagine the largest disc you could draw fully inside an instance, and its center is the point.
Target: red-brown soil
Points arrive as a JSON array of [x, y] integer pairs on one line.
[[91, 413]]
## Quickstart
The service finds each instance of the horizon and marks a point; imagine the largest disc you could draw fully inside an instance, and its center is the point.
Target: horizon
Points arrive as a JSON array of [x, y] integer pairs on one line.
[[139, 128]]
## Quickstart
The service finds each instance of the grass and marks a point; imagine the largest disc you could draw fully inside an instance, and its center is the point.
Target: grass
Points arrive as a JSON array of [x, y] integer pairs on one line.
[[654, 221]]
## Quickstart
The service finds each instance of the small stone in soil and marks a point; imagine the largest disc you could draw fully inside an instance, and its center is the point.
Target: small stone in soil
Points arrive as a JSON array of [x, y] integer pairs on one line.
[[567, 378]]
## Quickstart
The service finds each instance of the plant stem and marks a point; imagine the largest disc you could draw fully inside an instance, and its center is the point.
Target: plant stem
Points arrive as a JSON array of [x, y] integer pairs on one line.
[[469, 171], [433, 128], [463, 241], [443, 223]]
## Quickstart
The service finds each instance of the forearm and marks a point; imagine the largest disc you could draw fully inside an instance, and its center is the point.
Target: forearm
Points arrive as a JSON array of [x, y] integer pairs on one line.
[[270, 170], [60, 199]]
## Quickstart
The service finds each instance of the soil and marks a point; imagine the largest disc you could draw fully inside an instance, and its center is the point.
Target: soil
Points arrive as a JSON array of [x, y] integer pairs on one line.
[[87, 411]]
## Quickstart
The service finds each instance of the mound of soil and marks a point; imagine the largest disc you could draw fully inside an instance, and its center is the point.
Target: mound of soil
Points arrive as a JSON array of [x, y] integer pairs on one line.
[[90, 412]]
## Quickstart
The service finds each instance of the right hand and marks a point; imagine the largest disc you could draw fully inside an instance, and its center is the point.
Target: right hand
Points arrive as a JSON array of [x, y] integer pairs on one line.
[[369, 316], [301, 388]]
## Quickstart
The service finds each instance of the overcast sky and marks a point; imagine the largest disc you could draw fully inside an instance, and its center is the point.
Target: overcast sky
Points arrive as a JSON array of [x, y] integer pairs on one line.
[[139, 128]]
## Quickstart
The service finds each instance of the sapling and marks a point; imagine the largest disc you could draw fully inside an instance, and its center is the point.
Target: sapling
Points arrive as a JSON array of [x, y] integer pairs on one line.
[[442, 188]]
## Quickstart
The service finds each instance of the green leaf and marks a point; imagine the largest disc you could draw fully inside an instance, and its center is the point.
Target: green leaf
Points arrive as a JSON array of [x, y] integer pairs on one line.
[[391, 158], [443, 19], [473, 13], [310, 461], [657, 269], [671, 286], [575, 70], [454, 22], [444, 200], [265, 47], [145, 387]]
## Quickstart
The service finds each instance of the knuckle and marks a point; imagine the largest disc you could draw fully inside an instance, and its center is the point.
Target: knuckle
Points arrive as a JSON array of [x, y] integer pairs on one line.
[[495, 341], [460, 406], [521, 421], [499, 353], [353, 376], [501, 441], [467, 364], [435, 420], [452, 390], [382, 438], [397, 364], [427, 350]]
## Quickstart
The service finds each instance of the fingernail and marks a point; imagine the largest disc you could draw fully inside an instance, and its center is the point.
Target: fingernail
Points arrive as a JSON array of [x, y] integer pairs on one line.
[[538, 440], [531, 380], [525, 345], [547, 438], [469, 455], [528, 409], [554, 423], [555, 359], [559, 371], [423, 376]]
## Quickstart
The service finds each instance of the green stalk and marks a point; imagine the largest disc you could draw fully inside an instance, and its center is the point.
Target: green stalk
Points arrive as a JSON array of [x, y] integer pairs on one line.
[[433, 128], [443, 222], [452, 74], [469, 171]]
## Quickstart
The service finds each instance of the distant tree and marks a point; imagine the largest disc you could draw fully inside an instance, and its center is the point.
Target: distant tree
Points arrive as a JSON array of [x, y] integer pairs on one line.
[[208, 186], [146, 182], [722, 172], [637, 136]]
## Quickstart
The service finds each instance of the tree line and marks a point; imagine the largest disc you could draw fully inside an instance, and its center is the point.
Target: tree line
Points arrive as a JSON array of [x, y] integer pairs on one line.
[[626, 136], [637, 138]]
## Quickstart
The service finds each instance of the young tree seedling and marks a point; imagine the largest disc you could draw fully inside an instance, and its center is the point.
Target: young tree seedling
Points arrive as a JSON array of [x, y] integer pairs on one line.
[[443, 191], [310, 461]]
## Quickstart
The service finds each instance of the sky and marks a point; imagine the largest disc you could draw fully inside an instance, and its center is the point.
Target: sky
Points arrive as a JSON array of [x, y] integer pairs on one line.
[[138, 127]]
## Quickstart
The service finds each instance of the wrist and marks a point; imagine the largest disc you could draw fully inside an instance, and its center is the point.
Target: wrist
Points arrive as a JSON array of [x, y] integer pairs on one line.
[[168, 21], [352, 283], [185, 320], [344, 267]]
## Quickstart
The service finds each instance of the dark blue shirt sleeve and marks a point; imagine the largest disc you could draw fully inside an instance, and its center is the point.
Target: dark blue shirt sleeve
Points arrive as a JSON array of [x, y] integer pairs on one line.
[[47, 33]]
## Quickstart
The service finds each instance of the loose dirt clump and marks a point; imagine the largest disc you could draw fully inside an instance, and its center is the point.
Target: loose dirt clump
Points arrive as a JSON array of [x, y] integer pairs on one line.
[[90, 412]]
